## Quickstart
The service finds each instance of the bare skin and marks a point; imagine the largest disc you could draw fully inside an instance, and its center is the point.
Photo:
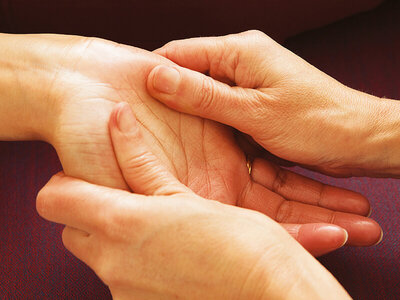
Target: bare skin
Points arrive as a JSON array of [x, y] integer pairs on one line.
[[286, 105], [168, 243], [70, 85]]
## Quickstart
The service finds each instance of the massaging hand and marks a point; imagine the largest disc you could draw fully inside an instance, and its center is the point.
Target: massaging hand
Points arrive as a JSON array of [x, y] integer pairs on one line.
[[286, 105], [167, 242], [76, 83]]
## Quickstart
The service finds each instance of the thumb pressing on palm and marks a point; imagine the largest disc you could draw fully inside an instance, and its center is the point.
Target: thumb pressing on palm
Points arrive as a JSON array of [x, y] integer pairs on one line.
[[142, 170]]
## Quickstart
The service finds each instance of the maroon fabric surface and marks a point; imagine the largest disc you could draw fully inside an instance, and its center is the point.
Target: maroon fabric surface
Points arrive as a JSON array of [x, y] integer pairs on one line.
[[33, 261], [362, 51]]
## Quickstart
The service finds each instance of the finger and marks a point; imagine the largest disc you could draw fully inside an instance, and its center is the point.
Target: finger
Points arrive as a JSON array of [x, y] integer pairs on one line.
[[141, 169], [362, 231], [194, 93], [81, 205], [80, 244], [318, 239], [195, 53], [299, 188], [220, 57]]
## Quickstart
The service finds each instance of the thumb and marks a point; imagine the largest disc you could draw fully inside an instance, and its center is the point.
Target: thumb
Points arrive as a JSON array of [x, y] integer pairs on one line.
[[142, 170], [194, 93]]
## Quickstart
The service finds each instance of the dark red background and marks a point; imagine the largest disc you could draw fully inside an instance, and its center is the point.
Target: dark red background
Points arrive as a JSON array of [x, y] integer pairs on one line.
[[362, 51]]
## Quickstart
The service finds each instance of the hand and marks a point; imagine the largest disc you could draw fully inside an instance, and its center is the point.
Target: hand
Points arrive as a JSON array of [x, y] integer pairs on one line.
[[289, 107], [87, 77], [171, 243]]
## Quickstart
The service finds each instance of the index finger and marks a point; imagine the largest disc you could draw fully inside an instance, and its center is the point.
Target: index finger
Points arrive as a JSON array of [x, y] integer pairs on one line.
[[79, 204]]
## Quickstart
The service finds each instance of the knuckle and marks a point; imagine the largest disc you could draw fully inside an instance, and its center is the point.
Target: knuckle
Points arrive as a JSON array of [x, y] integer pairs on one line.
[[141, 162], [206, 95], [140, 159], [254, 33], [257, 38], [284, 211], [280, 180]]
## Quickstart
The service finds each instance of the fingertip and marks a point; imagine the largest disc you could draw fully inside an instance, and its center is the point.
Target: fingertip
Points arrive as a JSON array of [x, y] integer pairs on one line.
[[343, 200], [362, 232], [357, 203], [45, 196], [123, 120], [41, 202], [373, 232], [320, 239], [114, 114]]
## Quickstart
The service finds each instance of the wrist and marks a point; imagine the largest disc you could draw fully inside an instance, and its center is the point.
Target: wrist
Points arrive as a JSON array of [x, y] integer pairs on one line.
[[364, 134], [274, 266], [27, 72], [384, 141], [292, 274], [377, 136]]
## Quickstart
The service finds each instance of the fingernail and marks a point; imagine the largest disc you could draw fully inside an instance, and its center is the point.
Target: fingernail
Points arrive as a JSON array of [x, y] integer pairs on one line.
[[126, 121], [380, 239], [345, 239], [370, 212], [329, 229], [166, 80]]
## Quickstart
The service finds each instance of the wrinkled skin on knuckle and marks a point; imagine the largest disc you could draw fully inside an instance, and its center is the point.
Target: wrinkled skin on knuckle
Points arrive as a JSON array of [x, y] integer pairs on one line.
[[144, 166], [260, 113], [206, 92]]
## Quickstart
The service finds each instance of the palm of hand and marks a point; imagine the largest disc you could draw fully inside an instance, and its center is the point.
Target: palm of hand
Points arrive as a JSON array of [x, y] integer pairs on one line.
[[201, 153]]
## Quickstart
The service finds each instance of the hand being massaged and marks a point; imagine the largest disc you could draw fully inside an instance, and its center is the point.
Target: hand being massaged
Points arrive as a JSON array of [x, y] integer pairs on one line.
[[62, 89]]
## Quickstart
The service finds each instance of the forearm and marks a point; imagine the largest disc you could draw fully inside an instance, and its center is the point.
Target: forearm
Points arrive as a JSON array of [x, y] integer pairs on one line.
[[378, 151], [25, 80], [387, 137]]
